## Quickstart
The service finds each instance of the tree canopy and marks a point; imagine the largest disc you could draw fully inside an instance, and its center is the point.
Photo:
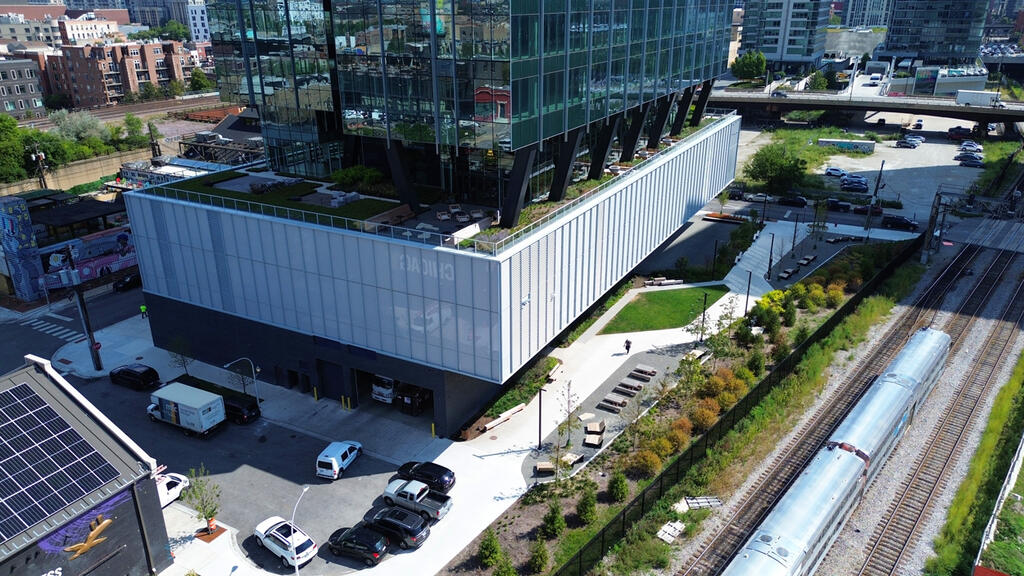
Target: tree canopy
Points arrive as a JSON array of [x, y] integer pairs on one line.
[[749, 65], [817, 81], [173, 30], [776, 167], [199, 81]]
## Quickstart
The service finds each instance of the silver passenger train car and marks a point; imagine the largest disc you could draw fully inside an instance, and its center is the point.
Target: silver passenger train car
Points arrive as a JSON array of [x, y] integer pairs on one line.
[[794, 537]]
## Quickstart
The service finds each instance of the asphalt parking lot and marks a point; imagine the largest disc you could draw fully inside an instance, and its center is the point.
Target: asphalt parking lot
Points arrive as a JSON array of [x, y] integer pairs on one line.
[[261, 459], [911, 175]]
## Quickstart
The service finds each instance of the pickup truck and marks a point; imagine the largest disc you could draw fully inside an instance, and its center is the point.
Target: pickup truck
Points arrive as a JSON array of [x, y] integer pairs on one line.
[[419, 498]]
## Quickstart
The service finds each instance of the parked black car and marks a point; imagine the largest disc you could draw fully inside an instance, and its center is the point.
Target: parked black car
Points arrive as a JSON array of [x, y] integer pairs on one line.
[[435, 476], [798, 201], [854, 187], [837, 206], [136, 376], [241, 409], [402, 527], [876, 210], [128, 282], [899, 222], [360, 542]]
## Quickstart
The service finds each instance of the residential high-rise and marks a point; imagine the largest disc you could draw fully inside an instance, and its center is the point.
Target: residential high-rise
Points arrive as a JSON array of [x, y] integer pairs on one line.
[[470, 100], [790, 33], [869, 13], [937, 32]]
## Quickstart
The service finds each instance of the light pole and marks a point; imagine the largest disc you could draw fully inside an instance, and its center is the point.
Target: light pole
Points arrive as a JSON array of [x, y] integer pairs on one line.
[[771, 252], [540, 412], [255, 371], [703, 313], [291, 539]]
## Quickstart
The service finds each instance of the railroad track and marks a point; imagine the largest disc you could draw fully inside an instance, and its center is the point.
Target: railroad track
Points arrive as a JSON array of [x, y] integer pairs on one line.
[[773, 483], [891, 539]]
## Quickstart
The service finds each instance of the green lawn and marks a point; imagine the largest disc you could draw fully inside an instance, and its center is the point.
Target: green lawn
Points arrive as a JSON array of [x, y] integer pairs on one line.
[[663, 309]]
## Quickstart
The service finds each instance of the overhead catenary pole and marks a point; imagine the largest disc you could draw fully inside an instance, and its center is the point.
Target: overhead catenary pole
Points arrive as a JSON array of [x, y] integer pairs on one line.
[[874, 198]]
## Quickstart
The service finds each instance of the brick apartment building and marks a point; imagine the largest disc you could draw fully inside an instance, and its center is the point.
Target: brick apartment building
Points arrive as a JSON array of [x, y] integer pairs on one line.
[[102, 75], [85, 29]]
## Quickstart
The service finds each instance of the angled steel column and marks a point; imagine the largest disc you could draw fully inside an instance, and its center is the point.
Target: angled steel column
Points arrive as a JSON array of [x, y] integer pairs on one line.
[[563, 165], [682, 108], [518, 182], [702, 102], [399, 176], [632, 135], [599, 152], [660, 117]]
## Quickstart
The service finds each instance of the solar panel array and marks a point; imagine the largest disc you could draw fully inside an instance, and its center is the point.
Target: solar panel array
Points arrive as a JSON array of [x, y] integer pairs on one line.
[[45, 465]]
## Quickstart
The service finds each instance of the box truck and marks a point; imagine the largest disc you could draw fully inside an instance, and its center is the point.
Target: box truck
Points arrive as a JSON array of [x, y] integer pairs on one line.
[[194, 410], [978, 98]]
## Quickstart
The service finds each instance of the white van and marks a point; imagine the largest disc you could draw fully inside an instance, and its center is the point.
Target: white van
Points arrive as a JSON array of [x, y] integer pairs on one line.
[[876, 78], [383, 389], [336, 458]]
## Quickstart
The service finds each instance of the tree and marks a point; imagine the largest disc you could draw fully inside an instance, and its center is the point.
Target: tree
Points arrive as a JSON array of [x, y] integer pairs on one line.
[[618, 486], [77, 126], [776, 167], [553, 523], [175, 30], [57, 101], [538, 561], [832, 80], [180, 353], [570, 423], [203, 495], [175, 88], [817, 81], [749, 65], [865, 58], [835, 20], [723, 199], [132, 125], [505, 567], [240, 376], [199, 82], [489, 553], [586, 508], [149, 91], [12, 153]]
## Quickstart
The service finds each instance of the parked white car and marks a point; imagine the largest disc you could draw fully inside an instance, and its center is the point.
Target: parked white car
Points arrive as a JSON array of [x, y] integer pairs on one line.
[[169, 487], [836, 172], [759, 197], [283, 538]]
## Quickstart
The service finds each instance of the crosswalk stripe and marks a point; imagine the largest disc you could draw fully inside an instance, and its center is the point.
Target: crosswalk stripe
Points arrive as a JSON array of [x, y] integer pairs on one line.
[[51, 329], [64, 332], [72, 337], [35, 323]]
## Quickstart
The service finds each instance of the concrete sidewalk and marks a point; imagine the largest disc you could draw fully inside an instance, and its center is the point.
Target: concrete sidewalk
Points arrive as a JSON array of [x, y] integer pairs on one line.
[[494, 469]]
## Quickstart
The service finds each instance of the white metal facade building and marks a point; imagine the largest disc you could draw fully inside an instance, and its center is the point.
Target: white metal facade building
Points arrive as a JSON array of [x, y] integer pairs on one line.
[[320, 301]]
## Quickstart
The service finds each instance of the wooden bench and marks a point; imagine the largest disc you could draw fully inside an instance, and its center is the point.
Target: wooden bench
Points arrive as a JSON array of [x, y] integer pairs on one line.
[[632, 385], [613, 408], [395, 216], [595, 427], [645, 369], [640, 376], [593, 440], [625, 391], [571, 458], [543, 468], [616, 400]]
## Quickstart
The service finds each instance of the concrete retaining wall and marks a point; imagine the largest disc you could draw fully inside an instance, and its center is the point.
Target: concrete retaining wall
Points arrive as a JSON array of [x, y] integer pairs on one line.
[[81, 172]]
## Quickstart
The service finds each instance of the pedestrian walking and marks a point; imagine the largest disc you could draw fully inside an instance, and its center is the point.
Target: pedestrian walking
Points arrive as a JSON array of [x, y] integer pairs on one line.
[[143, 310], [628, 344]]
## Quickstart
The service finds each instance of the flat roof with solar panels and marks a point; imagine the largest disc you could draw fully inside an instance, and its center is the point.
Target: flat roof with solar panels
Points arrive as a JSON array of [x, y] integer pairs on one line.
[[62, 463]]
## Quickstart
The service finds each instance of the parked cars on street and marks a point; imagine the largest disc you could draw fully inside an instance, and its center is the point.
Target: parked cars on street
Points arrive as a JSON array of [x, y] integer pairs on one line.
[[859, 187], [136, 377], [241, 409], [898, 222], [838, 206], [406, 529], [919, 124], [968, 156], [360, 542], [917, 137], [418, 497], [834, 171], [907, 144], [285, 540], [972, 163], [759, 197], [779, 94], [435, 476]]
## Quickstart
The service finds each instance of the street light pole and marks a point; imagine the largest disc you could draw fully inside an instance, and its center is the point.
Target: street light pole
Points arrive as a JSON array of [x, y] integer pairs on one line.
[[540, 412], [291, 540], [703, 313], [255, 370], [771, 252]]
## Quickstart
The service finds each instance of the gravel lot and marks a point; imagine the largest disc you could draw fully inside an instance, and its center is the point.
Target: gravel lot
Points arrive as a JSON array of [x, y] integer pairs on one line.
[[862, 524]]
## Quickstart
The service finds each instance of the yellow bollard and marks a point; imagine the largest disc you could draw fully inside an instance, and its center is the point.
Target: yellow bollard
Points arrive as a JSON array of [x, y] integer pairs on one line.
[[432, 430], [316, 397]]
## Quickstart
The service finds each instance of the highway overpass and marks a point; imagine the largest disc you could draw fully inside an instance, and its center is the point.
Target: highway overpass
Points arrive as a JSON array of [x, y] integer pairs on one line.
[[798, 100]]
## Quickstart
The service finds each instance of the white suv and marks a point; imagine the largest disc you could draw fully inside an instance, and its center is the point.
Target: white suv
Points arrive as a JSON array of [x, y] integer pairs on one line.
[[283, 538]]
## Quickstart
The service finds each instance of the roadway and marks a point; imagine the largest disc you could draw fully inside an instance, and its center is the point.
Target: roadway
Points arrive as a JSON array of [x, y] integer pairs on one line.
[[918, 105], [142, 110]]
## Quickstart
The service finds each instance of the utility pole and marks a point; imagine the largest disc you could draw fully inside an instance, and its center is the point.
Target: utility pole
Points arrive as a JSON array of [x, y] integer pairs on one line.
[[76, 286], [771, 252], [40, 160], [795, 225], [874, 198]]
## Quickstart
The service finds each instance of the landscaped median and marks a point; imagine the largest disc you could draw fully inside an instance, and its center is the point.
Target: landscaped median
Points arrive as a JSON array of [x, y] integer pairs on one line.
[[663, 309]]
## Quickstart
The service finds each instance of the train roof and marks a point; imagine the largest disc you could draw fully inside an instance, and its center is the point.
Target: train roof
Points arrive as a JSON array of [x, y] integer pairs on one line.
[[793, 527]]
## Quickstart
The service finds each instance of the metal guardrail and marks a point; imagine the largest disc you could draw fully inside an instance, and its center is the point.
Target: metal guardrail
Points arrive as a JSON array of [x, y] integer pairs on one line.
[[411, 234], [597, 547]]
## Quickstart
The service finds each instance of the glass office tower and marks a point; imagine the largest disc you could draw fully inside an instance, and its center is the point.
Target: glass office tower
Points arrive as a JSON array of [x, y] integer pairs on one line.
[[938, 32], [456, 90]]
